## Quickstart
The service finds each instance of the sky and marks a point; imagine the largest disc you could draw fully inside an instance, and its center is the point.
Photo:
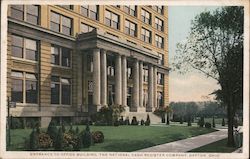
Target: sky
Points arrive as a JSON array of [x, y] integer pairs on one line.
[[192, 86]]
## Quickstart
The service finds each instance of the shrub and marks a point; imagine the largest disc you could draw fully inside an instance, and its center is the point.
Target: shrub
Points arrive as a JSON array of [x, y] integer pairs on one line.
[[16, 123], [33, 140], [213, 123], [116, 123], [223, 122], [59, 140], [86, 138], [71, 130], [77, 130], [207, 125], [189, 122], [63, 128], [134, 121], [97, 137], [127, 121], [44, 140], [52, 130], [121, 121], [147, 123], [181, 120], [142, 122]]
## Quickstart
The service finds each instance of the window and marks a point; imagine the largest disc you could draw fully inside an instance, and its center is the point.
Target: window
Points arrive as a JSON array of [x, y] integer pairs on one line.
[[130, 9], [146, 35], [60, 23], [67, 6], [129, 96], [24, 88], [28, 13], [159, 99], [90, 11], [112, 19], [145, 75], [161, 59], [160, 78], [24, 48], [159, 41], [130, 28], [159, 24], [60, 56], [158, 9], [86, 28], [110, 67], [129, 73], [60, 90], [145, 97], [89, 63], [145, 16]]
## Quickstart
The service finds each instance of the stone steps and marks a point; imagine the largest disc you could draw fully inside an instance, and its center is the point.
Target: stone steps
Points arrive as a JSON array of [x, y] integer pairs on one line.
[[154, 119]]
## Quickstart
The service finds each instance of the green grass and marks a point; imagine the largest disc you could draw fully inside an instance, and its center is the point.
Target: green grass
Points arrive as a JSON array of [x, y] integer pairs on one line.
[[126, 138], [218, 146]]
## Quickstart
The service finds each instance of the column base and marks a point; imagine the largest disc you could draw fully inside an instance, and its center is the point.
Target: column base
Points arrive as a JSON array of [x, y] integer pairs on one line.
[[149, 109], [141, 109], [133, 109]]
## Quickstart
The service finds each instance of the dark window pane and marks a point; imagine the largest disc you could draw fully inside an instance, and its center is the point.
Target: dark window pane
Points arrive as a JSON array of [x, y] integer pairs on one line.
[[31, 91], [55, 79], [66, 57], [17, 51], [66, 94], [18, 7], [17, 91], [55, 18], [17, 14], [17, 41], [66, 30], [32, 19], [55, 88], [31, 55], [55, 55], [93, 15], [54, 26]]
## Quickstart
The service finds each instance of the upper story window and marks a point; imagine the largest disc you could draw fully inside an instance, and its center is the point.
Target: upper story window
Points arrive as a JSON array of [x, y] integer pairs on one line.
[[160, 78], [146, 16], [85, 28], [90, 11], [159, 24], [159, 41], [24, 48], [67, 6], [130, 28], [130, 9], [24, 87], [146, 35], [161, 59], [60, 23], [112, 19], [28, 13], [60, 56], [159, 9]]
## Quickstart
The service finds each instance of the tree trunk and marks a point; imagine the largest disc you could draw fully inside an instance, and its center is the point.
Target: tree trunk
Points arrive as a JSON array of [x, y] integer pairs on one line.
[[230, 117]]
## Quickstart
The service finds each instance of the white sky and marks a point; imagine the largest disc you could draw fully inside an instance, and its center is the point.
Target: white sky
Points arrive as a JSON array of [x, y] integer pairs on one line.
[[192, 86]]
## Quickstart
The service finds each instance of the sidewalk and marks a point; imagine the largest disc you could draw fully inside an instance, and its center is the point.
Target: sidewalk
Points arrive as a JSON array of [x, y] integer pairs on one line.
[[189, 143]]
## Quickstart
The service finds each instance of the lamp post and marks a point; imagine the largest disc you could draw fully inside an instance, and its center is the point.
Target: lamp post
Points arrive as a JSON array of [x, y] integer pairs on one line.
[[9, 105]]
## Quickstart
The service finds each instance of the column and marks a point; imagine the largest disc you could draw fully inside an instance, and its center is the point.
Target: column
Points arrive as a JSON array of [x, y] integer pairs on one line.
[[150, 88], [118, 80], [124, 81], [135, 95], [155, 87], [103, 78], [141, 84], [96, 77]]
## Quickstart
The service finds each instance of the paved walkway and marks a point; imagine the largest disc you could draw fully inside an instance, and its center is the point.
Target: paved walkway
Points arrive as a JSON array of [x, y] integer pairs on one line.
[[189, 143]]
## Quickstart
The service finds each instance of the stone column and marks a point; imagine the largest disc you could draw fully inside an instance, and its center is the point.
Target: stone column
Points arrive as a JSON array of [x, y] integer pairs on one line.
[[124, 81], [96, 77], [135, 95], [118, 80], [155, 87], [141, 84], [103, 78], [150, 88]]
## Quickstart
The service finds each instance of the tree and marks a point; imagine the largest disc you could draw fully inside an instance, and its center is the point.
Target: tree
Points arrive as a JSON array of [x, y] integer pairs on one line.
[[214, 47]]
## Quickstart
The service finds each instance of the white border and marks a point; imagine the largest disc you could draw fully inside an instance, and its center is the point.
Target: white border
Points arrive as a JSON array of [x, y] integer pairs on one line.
[[44, 154]]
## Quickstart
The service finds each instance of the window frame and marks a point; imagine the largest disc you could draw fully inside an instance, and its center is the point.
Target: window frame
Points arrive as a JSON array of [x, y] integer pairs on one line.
[[60, 55], [129, 28], [158, 43], [111, 21], [89, 11], [130, 11], [89, 27], [24, 80], [144, 16], [61, 24], [157, 26], [144, 35]]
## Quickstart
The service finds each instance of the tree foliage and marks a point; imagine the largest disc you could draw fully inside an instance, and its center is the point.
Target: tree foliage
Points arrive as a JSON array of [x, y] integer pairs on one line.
[[214, 47]]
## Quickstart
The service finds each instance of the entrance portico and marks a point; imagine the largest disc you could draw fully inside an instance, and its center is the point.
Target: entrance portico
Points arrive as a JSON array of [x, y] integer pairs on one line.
[[114, 62]]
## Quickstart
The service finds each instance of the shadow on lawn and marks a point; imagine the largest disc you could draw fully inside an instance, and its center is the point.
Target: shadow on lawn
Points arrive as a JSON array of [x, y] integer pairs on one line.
[[127, 145]]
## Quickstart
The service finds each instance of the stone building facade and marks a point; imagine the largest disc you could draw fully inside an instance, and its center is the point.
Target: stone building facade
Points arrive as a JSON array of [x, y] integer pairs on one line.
[[68, 61]]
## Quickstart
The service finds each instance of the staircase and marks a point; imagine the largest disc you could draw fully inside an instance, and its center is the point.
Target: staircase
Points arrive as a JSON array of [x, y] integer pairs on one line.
[[154, 119]]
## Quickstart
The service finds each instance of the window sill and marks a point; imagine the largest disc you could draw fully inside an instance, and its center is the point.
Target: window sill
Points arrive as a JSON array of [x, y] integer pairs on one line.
[[58, 105], [62, 67], [26, 105], [23, 60]]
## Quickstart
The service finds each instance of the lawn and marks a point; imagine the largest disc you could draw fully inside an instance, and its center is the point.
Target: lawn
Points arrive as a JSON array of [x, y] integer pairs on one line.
[[126, 138], [218, 146]]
